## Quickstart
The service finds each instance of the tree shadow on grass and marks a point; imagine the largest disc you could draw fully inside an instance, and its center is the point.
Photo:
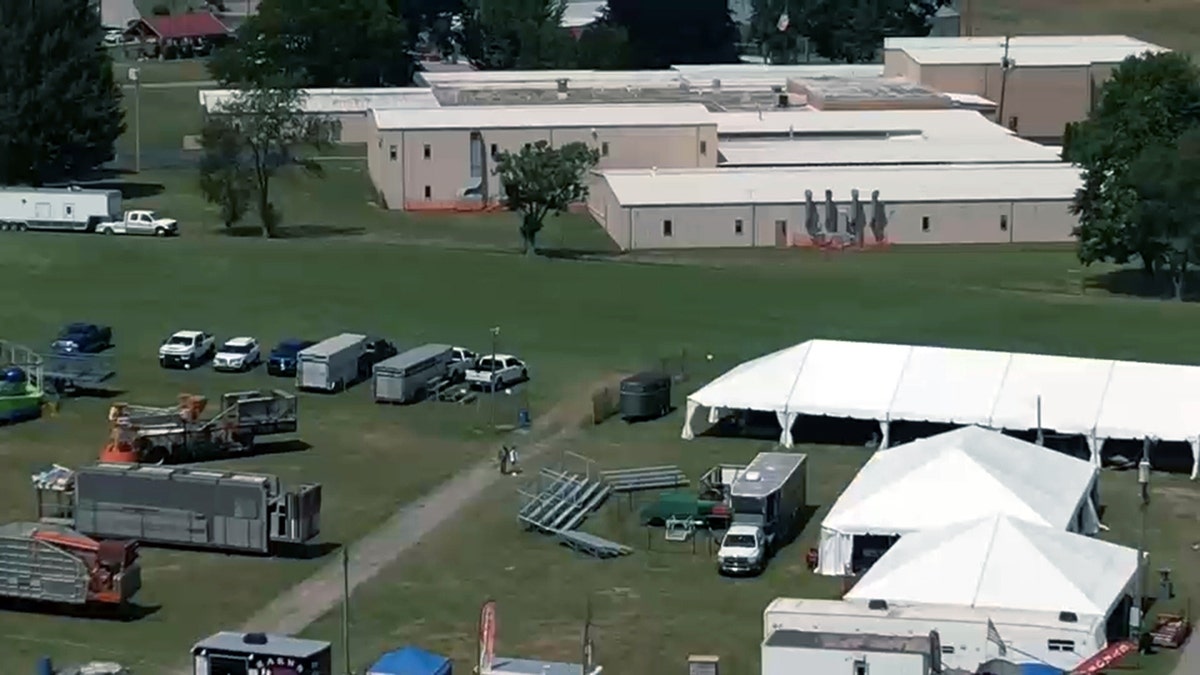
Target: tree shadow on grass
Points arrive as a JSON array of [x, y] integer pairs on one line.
[[574, 254], [296, 231], [123, 613], [1136, 283]]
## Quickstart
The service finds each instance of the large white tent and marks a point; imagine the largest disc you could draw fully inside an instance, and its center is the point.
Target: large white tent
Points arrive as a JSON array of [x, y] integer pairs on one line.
[[1000, 562], [1097, 399], [954, 477]]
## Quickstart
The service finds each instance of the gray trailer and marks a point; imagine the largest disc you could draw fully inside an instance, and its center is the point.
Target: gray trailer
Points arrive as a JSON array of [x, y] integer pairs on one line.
[[768, 500], [180, 506], [410, 376], [331, 364], [52, 563], [64, 209]]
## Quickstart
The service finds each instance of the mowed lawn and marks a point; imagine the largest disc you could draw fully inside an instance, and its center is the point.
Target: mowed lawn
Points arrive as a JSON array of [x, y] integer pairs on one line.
[[1170, 23]]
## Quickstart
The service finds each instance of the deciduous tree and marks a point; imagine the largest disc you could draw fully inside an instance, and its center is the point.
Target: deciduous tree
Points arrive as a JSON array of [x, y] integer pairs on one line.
[[269, 129], [318, 43], [517, 34], [541, 180], [60, 110], [1149, 101], [1166, 178], [663, 33], [850, 31]]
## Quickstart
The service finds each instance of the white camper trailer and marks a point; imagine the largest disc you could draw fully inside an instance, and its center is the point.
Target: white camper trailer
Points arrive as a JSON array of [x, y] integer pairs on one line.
[[64, 209]]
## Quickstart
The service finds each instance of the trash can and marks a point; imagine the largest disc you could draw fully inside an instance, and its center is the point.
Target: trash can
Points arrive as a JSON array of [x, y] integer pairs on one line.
[[645, 396]]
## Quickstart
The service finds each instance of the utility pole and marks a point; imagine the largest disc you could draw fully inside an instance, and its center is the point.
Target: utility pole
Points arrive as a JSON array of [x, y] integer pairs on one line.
[[495, 345], [135, 75], [346, 607], [1136, 626], [1006, 64]]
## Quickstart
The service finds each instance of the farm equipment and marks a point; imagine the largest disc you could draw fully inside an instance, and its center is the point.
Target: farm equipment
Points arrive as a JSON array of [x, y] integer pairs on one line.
[[64, 373], [142, 434], [179, 506], [52, 563]]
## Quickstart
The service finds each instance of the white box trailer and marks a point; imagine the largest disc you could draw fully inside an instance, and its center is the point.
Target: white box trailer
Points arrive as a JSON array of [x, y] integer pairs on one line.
[[406, 376], [331, 364], [788, 652], [65, 209], [1062, 639]]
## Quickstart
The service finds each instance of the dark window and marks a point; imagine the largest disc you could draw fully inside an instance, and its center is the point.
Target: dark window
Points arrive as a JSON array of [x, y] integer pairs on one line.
[[1004, 223], [1060, 645], [781, 225], [428, 151], [1012, 123], [604, 148], [737, 226], [428, 192], [704, 147], [392, 153], [528, 146], [924, 223], [495, 151], [667, 228], [860, 667], [947, 649]]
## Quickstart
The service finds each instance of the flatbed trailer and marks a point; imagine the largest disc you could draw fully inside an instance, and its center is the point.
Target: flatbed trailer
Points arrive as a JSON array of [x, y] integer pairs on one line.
[[56, 564], [143, 434], [66, 373]]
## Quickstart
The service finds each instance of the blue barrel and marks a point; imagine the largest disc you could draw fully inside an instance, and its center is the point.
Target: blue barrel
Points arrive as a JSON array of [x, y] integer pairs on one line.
[[12, 381], [523, 418], [44, 666]]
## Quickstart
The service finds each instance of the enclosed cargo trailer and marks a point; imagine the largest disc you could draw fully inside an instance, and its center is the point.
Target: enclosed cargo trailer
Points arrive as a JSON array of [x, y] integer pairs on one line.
[[180, 506], [52, 563], [332, 364], [65, 209], [409, 376]]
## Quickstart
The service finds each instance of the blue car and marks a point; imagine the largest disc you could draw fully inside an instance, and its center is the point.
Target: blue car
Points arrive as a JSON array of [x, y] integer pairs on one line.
[[282, 360]]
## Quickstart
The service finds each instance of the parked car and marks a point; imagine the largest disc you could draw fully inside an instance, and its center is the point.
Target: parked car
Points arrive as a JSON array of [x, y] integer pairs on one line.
[[375, 350], [140, 222], [282, 359], [186, 348], [461, 360], [83, 338], [238, 354], [496, 371]]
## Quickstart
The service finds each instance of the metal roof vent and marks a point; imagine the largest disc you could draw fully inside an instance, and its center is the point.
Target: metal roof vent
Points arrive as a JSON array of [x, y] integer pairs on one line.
[[1068, 617], [562, 85], [879, 605], [716, 84], [255, 638], [752, 476]]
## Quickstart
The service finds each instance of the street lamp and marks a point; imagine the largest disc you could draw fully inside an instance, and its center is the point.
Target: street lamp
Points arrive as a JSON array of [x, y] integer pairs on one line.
[[1143, 477], [135, 77], [495, 341]]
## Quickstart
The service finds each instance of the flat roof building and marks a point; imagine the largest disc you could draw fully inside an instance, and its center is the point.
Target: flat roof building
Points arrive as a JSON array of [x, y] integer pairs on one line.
[[348, 107], [856, 123], [929, 204], [1052, 80], [900, 149], [442, 159]]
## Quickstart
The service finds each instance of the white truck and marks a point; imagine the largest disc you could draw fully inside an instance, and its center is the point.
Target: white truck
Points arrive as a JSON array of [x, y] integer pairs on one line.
[[494, 371], [63, 209], [768, 499], [140, 222], [186, 349], [461, 360]]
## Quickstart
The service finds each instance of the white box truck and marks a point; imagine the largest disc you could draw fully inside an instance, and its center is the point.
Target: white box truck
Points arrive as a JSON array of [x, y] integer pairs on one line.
[[331, 364], [768, 498], [63, 209]]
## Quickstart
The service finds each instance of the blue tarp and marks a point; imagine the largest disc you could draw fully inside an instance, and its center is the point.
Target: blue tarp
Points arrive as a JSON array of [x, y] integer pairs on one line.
[[411, 661], [1040, 669]]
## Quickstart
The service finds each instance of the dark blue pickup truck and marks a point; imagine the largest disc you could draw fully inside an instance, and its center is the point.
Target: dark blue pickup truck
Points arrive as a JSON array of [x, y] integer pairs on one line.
[[82, 338], [282, 360]]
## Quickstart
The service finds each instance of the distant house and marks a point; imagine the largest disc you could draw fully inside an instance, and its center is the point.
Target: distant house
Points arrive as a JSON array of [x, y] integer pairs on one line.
[[177, 36]]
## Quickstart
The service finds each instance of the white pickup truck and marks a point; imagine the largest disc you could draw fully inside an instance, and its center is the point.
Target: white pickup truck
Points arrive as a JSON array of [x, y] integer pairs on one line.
[[140, 222], [186, 348], [461, 360], [496, 371]]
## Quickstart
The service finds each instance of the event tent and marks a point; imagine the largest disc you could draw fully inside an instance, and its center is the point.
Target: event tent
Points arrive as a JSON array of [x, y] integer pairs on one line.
[[953, 477], [1000, 562], [1097, 399]]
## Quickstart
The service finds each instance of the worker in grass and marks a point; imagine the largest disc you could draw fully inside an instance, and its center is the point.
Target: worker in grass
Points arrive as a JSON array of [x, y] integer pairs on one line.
[[502, 459]]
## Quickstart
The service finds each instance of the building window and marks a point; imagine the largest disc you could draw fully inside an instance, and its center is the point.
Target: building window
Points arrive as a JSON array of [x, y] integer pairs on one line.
[[1012, 124], [737, 226], [924, 223], [1060, 645], [604, 149], [428, 192], [528, 146], [668, 229], [860, 667], [1004, 223], [781, 225], [947, 649], [495, 151], [704, 147], [428, 151], [392, 152]]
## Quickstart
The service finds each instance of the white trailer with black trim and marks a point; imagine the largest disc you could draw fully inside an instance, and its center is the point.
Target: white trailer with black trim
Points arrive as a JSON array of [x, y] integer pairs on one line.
[[63, 209]]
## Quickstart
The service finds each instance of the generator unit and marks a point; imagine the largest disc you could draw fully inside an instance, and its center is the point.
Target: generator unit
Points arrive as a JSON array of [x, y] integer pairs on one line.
[[645, 396]]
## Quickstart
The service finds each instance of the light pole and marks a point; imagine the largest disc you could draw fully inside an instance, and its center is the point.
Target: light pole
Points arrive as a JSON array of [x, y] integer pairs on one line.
[[1143, 475], [135, 77], [495, 342]]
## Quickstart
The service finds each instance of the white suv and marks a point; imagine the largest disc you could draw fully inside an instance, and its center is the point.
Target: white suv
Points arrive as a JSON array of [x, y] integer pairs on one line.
[[496, 371], [238, 354]]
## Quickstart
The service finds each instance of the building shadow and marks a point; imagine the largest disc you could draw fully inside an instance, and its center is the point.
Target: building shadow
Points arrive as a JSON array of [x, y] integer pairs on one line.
[[308, 551], [125, 613]]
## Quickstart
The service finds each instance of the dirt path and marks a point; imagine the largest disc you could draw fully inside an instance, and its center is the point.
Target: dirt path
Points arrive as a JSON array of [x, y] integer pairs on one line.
[[303, 604]]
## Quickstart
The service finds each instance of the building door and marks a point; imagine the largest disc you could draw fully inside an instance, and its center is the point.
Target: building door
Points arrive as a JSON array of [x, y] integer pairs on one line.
[[781, 233]]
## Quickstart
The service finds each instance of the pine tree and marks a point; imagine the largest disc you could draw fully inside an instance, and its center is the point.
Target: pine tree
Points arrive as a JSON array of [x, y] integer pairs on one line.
[[60, 109]]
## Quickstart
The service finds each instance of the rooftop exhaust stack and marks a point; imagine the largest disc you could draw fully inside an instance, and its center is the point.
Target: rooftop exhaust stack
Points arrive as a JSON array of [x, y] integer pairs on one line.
[[716, 84]]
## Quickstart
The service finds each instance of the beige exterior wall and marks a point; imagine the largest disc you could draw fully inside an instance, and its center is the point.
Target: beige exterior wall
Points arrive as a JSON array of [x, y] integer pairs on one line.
[[355, 127], [896, 63], [958, 79], [783, 224], [414, 181]]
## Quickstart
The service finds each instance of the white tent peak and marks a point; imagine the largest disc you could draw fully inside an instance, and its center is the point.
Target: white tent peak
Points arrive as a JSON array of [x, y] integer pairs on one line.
[[1000, 562], [961, 475]]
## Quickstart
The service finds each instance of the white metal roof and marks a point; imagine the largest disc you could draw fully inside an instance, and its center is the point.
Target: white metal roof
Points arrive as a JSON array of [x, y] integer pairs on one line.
[[1002, 562], [512, 117], [955, 123], [1032, 50], [896, 183], [332, 101], [580, 14], [895, 150], [483, 79], [743, 74], [780, 607]]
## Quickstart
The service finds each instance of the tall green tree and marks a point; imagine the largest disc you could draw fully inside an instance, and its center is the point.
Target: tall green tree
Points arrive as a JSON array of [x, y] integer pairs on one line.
[[1148, 103], [432, 23], [603, 47], [318, 43], [257, 134], [663, 33], [517, 34], [1166, 178], [850, 31], [60, 110], [541, 180]]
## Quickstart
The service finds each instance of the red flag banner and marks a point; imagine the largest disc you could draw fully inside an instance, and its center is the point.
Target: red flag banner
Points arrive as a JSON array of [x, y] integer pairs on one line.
[[1108, 657], [487, 636]]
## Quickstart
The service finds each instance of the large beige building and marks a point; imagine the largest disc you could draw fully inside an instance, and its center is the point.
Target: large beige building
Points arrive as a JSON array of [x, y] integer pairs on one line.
[[946, 204], [444, 158], [1052, 80]]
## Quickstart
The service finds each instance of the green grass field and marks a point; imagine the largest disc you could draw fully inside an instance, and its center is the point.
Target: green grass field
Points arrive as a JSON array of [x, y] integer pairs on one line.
[[1170, 23]]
